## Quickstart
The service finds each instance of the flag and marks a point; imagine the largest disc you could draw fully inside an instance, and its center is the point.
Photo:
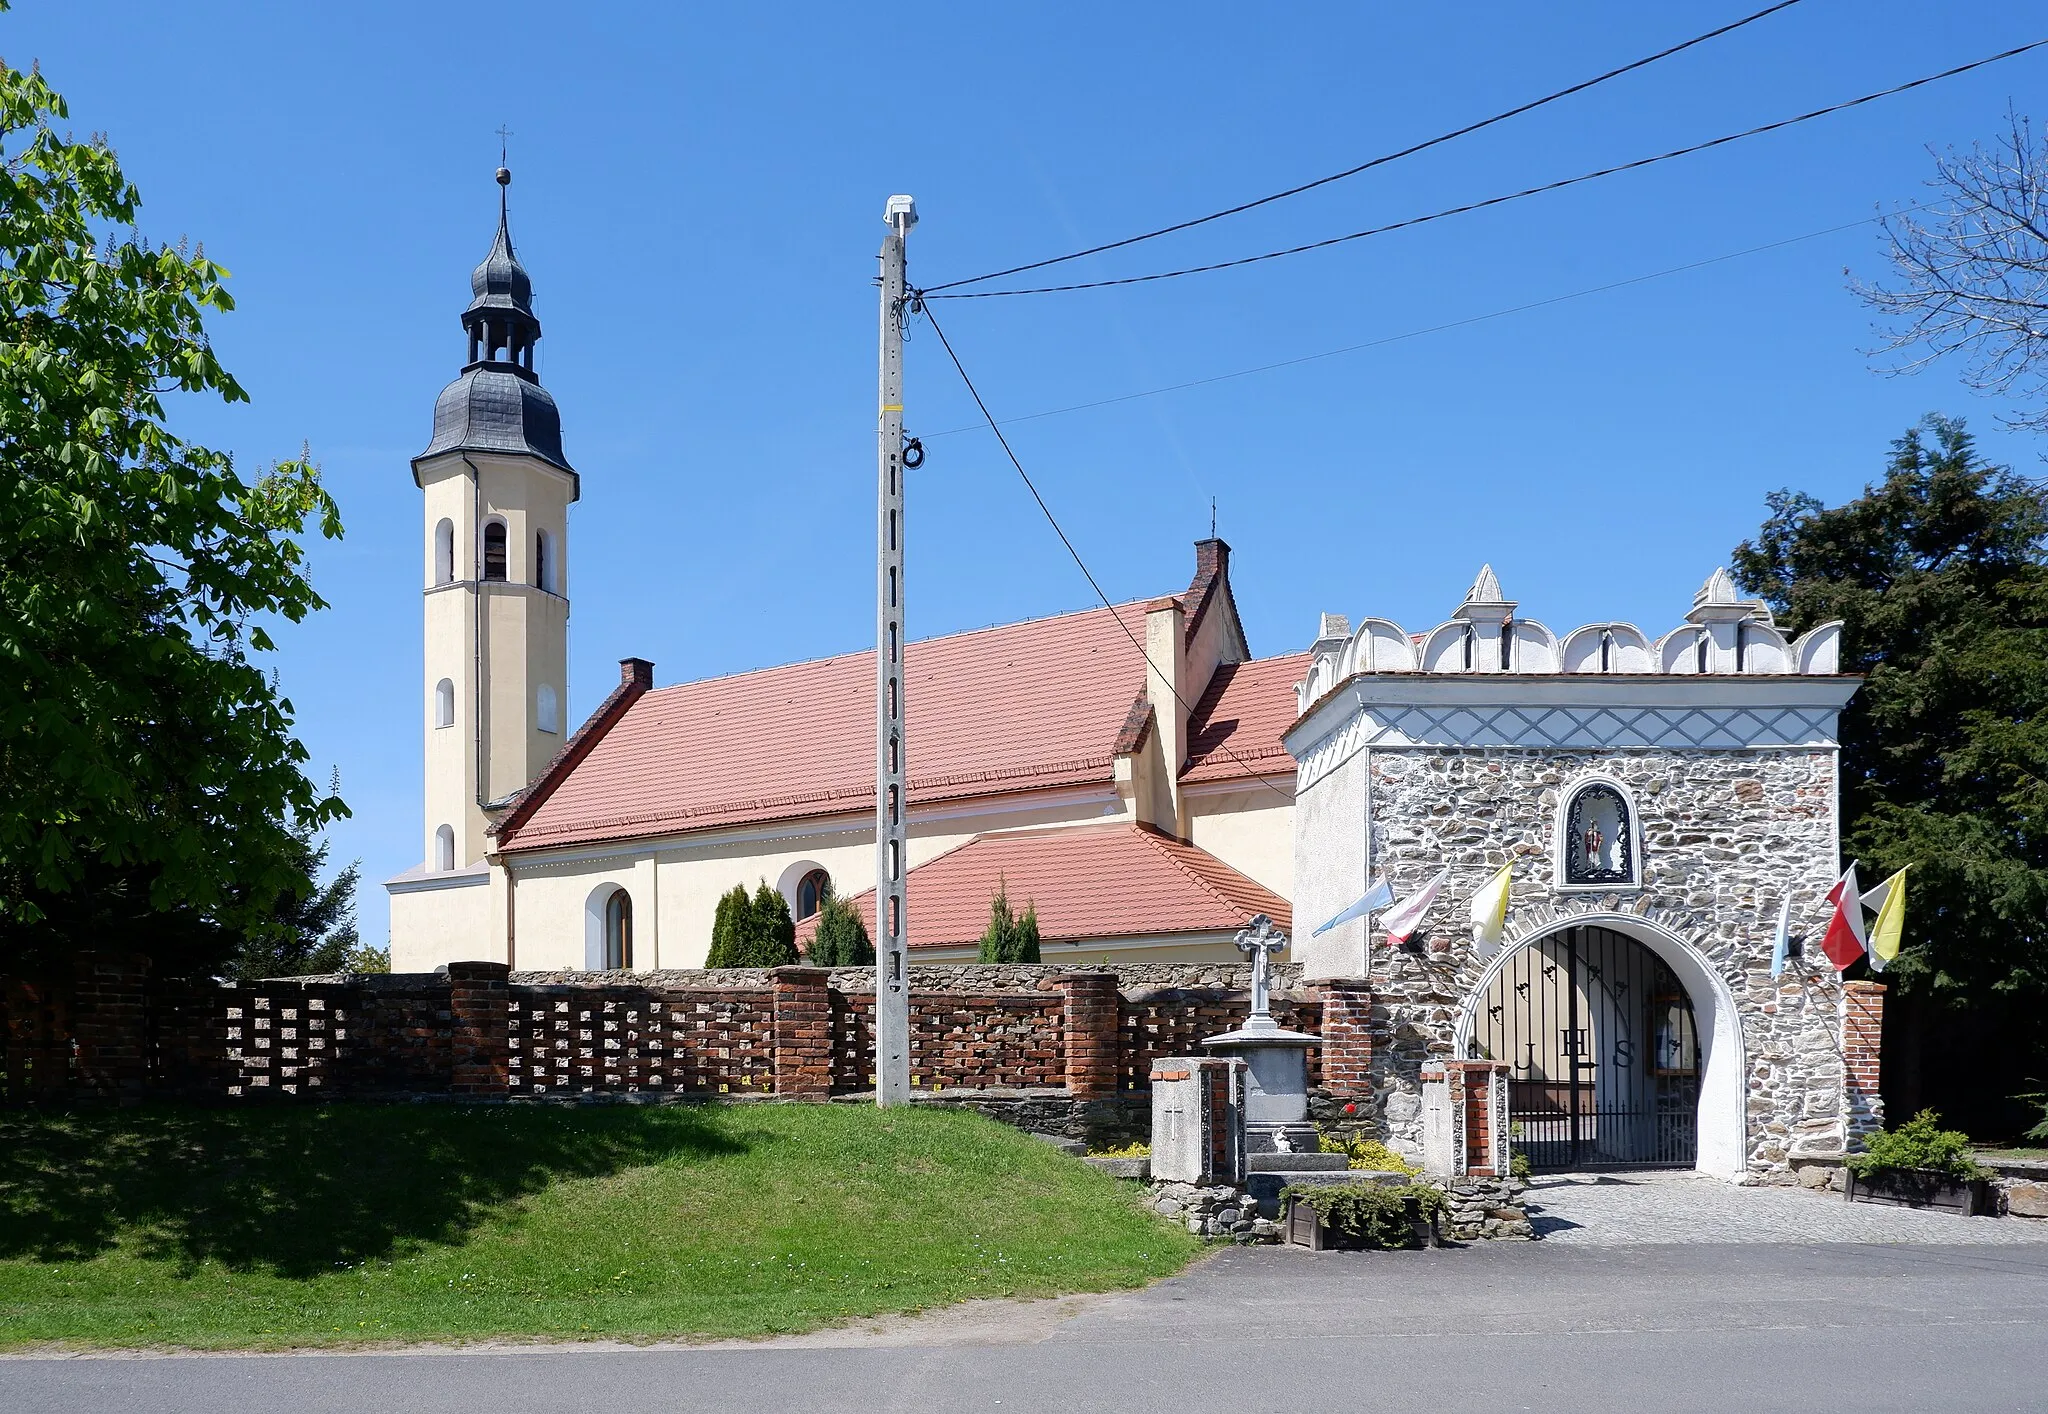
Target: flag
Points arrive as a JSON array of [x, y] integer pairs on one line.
[[1843, 942], [1379, 896], [1406, 916], [1782, 948], [1490, 911], [1889, 899]]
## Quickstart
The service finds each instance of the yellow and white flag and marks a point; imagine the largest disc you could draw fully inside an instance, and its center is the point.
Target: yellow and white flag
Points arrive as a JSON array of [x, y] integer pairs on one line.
[[1490, 912], [1889, 899]]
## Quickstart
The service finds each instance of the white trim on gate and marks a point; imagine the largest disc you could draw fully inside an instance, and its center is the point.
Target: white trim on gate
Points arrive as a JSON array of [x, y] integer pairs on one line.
[[1723, 1147]]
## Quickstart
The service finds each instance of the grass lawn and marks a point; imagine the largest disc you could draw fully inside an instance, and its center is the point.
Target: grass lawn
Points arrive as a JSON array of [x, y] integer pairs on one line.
[[355, 1223]]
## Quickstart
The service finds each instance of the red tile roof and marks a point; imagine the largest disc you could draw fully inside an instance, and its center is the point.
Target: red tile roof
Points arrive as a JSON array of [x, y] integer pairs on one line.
[[1236, 727], [1088, 882], [1020, 707]]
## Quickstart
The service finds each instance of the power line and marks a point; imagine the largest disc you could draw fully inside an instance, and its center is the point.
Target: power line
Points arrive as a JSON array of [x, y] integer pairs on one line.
[[1434, 328], [1511, 196], [1081, 564], [1381, 161]]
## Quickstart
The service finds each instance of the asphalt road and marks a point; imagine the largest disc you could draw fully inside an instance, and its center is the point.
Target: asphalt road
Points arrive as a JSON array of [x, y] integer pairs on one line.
[[1490, 1328]]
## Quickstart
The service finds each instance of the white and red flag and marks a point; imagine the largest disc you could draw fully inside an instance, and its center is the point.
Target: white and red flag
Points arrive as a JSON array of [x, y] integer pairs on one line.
[[1405, 917], [1845, 940]]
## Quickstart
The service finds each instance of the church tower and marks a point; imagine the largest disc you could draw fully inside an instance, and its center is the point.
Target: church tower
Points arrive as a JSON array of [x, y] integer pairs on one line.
[[495, 493]]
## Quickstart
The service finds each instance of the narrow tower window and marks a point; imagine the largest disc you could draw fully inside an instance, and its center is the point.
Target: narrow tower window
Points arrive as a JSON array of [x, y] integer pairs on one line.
[[444, 703], [543, 562], [444, 552], [494, 550], [618, 932], [444, 848], [546, 715]]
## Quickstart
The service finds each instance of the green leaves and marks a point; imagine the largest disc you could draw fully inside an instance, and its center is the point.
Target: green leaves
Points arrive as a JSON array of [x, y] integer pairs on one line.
[[1009, 938], [1938, 574], [840, 938], [752, 932], [149, 780]]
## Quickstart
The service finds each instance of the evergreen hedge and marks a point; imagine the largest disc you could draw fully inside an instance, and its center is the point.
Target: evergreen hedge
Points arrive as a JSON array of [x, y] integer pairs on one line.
[[1009, 938]]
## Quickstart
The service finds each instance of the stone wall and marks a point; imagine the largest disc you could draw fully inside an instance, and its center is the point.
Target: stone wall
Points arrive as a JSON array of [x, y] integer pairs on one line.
[[1724, 835]]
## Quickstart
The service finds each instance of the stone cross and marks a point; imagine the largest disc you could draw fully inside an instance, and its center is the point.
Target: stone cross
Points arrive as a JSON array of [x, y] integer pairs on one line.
[[1260, 940]]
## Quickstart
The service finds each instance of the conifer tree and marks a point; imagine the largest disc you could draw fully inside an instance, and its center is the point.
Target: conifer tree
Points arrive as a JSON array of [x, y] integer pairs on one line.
[[841, 938], [730, 927], [774, 931], [1009, 938]]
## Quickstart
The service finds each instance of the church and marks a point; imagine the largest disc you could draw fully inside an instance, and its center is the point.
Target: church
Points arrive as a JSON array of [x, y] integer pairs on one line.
[[1659, 802], [1145, 814]]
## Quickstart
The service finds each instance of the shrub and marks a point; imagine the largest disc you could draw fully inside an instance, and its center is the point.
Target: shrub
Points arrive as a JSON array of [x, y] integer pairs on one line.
[[840, 939], [1129, 1151], [1919, 1143], [1009, 938], [1374, 1214], [1365, 1154], [730, 926], [774, 929]]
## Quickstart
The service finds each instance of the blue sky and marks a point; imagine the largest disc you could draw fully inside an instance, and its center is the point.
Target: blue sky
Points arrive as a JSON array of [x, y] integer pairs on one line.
[[698, 196]]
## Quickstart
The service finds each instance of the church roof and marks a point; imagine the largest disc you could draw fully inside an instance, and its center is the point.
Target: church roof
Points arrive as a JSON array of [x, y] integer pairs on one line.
[[1087, 882], [491, 408], [1027, 706], [1237, 724]]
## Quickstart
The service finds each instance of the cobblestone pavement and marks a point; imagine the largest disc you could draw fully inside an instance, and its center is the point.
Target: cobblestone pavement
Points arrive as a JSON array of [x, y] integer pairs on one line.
[[1622, 1209]]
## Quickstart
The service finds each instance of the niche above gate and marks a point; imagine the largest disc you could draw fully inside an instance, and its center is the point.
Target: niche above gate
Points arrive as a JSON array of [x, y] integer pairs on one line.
[[1598, 844]]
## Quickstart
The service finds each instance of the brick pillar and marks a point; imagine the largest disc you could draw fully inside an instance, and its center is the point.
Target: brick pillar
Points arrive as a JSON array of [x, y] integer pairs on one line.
[[803, 1032], [1347, 1040], [480, 1027], [110, 1024], [1862, 1050], [1090, 1041]]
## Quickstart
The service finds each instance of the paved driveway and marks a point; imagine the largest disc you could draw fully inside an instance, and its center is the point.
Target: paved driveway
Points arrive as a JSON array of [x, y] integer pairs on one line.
[[1621, 1209], [1495, 1327]]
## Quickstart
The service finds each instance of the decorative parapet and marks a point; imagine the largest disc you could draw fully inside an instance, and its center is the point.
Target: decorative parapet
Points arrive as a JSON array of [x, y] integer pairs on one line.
[[1723, 636]]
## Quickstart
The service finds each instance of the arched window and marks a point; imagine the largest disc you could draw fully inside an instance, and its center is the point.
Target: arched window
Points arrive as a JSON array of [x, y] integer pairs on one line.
[[543, 561], [494, 550], [1597, 839], [444, 703], [444, 552], [444, 848], [618, 931], [811, 893], [546, 715]]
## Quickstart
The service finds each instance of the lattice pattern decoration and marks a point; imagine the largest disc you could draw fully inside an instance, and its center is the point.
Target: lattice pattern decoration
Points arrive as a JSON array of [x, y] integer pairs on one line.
[[567, 1041], [1175, 1024], [281, 1044]]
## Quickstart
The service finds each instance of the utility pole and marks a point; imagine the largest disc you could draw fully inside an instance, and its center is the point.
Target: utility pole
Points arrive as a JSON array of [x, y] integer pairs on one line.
[[892, 959]]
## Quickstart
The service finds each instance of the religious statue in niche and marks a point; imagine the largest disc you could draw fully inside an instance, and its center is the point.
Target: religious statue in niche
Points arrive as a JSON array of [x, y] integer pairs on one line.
[[1598, 838]]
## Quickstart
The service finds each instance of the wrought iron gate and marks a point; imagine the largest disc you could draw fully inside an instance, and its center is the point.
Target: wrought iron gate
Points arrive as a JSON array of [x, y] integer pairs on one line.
[[1602, 1050]]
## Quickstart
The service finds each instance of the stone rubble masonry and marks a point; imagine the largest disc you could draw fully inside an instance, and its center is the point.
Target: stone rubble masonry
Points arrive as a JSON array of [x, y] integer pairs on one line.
[[1725, 834], [1477, 1209], [1221, 1212]]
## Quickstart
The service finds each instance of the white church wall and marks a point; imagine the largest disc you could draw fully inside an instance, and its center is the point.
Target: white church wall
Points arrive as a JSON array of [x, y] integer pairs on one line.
[[676, 882], [1250, 828], [441, 919], [1330, 822]]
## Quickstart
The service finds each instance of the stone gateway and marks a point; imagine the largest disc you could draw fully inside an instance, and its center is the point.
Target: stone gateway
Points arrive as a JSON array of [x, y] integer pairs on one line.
[[1657, 801]]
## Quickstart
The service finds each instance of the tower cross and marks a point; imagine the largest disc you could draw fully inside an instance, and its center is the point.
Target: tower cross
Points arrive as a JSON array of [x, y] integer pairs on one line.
[[504, 142]]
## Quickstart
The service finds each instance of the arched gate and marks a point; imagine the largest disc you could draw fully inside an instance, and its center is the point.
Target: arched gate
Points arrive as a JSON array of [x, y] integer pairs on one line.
[[1602, 1051]]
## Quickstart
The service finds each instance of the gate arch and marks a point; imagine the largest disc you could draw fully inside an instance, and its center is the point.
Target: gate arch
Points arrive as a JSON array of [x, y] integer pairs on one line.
[[1722, 1139]]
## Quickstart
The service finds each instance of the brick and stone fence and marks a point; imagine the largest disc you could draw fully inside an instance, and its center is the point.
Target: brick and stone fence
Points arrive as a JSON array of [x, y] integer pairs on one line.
[[1045, 1047]]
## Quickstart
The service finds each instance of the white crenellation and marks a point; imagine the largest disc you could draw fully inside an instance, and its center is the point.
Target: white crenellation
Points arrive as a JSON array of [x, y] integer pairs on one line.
[[1724, 635]]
